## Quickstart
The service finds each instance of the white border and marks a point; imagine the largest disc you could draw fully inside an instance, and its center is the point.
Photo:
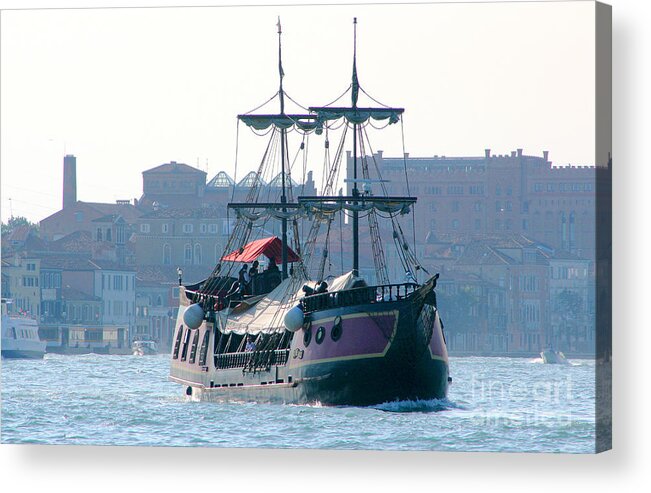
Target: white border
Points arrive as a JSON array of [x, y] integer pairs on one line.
[[32, 468]]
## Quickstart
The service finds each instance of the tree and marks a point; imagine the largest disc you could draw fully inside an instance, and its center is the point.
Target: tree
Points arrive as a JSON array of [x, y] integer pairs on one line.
[[15, 222]]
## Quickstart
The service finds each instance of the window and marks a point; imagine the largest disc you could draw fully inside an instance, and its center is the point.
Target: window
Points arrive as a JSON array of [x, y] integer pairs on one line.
[[509, 206], [187, 228], [498, 206], [550, 187], [477, 206], [187, 256], [167, 254], [477, 224], [455, 190], [227, 226], [587, 187], [433, 190], [212, 228], [525, 224], [99, 234], [203, 228], [204, 349], [108, 234], [455, 206], [186, 342], [145, 228], [498, 190], [477, 189], [165, 228], [177, 342], [455, 224], [197, 254], [432, 207], [195, 343]]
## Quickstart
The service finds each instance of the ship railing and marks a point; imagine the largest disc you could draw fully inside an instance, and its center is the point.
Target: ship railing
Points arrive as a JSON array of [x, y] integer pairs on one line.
[[358, 296], [243, 359]]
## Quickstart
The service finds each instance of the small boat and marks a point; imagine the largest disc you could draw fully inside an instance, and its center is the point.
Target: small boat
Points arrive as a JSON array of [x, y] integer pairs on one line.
[[144, 348], [553, 357], [20, 337]]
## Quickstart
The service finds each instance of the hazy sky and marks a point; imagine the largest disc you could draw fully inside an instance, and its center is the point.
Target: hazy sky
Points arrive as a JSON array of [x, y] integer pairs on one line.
[[128, 89]]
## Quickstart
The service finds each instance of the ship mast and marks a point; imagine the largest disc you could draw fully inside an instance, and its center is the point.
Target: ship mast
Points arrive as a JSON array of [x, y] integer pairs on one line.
[[354, 96], [283, 142]]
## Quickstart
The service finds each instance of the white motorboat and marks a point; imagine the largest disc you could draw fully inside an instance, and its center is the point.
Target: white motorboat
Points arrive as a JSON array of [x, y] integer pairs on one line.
[[20, 337]]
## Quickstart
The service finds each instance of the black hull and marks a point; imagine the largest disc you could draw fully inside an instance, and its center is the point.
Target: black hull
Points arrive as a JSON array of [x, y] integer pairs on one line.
[[388, 351]]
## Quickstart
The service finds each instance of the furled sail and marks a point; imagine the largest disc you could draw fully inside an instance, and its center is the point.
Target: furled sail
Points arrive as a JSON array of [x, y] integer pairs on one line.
[[356, 115], [306, 123], [329, 205]]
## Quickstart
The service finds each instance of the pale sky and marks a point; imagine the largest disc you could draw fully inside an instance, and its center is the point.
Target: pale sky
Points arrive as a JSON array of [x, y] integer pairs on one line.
[[128, 89]]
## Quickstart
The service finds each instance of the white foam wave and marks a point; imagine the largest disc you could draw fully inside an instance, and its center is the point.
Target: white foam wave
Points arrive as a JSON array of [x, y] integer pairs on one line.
[[417, 406]]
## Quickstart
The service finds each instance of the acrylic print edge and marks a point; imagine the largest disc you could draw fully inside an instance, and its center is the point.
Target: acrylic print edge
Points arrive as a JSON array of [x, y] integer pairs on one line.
[[603, 226]]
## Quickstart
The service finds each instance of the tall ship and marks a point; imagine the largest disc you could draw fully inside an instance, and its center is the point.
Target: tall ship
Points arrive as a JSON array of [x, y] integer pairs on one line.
[[268, 324], [19, 335]]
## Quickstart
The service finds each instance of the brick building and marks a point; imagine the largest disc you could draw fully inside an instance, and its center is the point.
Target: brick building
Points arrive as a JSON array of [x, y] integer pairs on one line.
[[511, 194]]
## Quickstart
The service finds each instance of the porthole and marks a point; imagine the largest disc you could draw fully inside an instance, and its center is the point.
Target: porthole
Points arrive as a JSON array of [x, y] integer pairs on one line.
[[337, 329], [307, 336], [320, 334]]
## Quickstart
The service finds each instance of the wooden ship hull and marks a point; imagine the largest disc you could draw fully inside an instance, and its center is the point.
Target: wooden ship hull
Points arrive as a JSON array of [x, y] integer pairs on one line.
[[349, 351]]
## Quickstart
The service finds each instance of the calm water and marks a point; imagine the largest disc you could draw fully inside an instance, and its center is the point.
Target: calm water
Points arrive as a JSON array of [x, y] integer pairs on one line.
[[494, 404]]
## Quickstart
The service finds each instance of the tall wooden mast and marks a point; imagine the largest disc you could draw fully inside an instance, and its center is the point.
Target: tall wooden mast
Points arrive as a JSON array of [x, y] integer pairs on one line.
[[283, 145], [354, 95]]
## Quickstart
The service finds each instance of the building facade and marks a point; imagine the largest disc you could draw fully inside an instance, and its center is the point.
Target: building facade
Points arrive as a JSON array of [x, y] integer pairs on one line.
[[494, 194]]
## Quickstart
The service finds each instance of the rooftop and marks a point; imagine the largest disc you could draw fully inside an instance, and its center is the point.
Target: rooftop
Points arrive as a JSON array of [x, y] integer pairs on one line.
[[174, 167]]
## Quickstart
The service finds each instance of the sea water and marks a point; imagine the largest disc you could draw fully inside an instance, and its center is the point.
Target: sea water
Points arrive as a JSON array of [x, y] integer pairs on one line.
[[493, 404]]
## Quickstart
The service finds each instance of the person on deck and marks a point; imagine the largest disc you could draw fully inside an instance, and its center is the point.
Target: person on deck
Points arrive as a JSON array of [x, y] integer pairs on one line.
[[253, 274], [244, 279]]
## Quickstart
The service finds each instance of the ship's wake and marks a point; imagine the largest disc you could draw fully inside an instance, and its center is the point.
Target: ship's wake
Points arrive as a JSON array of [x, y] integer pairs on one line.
[[417, 406]]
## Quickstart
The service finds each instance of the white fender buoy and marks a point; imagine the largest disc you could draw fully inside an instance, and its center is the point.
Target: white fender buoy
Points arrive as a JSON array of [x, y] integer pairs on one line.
[[294, 319], [193, 316]]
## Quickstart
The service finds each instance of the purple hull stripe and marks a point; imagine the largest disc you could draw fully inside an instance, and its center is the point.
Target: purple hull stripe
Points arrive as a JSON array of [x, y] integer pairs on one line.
[[360, 335]]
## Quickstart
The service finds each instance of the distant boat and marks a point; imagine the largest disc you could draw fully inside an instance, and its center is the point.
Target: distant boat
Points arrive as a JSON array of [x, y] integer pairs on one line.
[[144, 348], [20, 336], [552, 357]]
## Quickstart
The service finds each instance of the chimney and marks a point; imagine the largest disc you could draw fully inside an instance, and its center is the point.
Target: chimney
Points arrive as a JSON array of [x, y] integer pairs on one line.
[[69, 180], [519, 152], [546, 155], [487, 153]]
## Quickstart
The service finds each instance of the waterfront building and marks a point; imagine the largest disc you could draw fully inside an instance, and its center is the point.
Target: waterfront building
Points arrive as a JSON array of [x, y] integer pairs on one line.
[[572, 298], [22, 271]]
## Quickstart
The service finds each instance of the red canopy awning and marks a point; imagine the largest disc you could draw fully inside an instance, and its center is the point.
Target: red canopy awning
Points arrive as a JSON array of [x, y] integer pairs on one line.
[[269, 247]]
